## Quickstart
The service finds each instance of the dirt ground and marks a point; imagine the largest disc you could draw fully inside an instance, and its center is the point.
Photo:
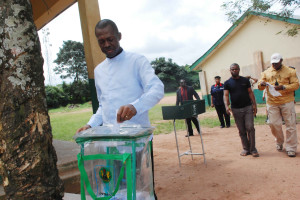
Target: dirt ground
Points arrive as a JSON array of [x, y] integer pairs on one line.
[[227, 175]]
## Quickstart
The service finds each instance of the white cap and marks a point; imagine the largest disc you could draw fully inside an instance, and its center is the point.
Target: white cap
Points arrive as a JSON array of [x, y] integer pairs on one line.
[[275, 58]]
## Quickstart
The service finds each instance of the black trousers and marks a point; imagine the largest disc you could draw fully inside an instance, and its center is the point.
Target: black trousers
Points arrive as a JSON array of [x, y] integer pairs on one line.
[[189, 125], [152, 158], [221, 110]]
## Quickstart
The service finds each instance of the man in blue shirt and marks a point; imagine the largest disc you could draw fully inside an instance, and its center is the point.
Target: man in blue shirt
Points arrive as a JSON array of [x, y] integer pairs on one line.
[[243, 108], [217, 93], [126, 84]]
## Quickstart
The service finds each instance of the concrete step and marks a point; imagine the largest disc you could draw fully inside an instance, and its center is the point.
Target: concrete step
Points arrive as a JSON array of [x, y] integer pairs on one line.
[[71, 181], [2, 193], [65, 167], [67, 196], [70, 196], [67, 164]]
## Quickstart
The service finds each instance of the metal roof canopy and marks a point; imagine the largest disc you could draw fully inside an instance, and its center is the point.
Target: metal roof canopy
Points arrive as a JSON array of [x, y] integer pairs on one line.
[[46, 10]]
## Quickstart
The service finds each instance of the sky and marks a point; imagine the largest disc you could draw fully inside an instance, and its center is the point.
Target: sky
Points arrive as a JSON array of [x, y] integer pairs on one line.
[[182, 30]]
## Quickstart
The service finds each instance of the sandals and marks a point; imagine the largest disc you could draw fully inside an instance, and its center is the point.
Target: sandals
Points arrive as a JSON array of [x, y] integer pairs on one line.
[[279, 147], [291, 153], [245, 153], [255, 154]]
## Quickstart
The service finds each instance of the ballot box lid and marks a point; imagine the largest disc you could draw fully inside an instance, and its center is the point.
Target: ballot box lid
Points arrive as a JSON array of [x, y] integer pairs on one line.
[[112, 132]]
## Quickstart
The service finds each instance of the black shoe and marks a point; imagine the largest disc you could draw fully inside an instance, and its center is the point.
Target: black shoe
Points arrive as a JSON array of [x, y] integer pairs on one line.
[[255, 154], [228, 126], [222, 126], [189, 135]]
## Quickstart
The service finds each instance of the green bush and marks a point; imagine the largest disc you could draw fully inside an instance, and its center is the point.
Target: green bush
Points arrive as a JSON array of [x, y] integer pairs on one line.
[[78, 92], [73, 93], [56, 97]]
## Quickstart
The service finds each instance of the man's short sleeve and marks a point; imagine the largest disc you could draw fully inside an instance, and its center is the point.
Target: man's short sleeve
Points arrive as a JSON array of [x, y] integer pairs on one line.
[[248, 83], [226, 85]]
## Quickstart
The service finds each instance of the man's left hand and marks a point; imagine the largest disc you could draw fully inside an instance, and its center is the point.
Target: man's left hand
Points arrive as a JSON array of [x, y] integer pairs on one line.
[[279, 87], [125, 113], [254, 109]]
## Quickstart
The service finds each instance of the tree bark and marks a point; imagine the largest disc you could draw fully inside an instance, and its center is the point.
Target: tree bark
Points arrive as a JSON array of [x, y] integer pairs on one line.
[[27, 156]]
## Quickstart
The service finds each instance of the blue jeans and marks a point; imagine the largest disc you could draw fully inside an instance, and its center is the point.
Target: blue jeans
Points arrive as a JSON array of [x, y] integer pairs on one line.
[[244, 120]]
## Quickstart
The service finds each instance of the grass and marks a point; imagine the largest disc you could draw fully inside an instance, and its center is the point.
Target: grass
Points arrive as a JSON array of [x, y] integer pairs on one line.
[[174, 93], [69, 108], [64, 125], [167, 94], [65, 120]]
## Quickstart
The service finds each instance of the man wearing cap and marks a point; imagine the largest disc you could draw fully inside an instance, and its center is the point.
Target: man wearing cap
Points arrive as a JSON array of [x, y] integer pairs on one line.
[[217, 93], [285, 81]]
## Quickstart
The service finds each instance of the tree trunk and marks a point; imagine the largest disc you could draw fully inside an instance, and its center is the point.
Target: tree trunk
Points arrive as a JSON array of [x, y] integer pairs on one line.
[[27, 156]]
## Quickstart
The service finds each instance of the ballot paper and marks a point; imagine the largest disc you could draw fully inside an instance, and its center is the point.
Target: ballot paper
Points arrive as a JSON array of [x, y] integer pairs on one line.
[[272, 90]]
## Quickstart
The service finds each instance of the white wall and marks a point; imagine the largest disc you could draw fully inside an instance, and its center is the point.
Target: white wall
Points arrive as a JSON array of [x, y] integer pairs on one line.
[[257, 34]]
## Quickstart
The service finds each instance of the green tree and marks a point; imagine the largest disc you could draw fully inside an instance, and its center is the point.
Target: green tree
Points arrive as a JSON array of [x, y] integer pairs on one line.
[[192, 77], [170, 74], [284, 8], [71, 61]]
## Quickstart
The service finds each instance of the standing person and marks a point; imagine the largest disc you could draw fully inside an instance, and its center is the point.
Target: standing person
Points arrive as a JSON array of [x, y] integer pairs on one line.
[[243, 108], [252, 81], [217, 93], [125, 83], [285, 81], [186, 93]]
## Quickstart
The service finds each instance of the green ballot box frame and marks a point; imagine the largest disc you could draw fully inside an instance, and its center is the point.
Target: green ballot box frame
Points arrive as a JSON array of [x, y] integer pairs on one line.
[[128, 161], [189, 109]]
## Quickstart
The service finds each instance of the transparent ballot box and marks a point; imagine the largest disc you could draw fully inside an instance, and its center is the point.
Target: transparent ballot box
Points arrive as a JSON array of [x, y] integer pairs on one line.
[[115, 163]]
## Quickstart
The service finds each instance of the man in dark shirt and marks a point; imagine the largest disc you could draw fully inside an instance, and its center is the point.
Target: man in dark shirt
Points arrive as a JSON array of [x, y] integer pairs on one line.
[[217, 93], [243, 108], [186, 93]]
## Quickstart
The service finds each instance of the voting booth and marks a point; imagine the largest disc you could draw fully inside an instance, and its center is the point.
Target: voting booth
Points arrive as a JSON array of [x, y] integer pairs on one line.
[[190, 108], [115, 163]]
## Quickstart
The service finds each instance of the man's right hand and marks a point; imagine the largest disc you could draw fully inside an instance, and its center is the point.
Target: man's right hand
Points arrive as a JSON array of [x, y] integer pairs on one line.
[[263, 83], [83, 128], [228, 111], [212, 105]]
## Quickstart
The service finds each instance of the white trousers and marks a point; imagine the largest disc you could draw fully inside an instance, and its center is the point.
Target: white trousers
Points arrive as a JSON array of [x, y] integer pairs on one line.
[[288, 113]]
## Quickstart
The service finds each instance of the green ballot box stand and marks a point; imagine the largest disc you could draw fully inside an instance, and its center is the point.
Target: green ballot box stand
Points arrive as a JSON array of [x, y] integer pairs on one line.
[[115, 163], [189, 109]]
